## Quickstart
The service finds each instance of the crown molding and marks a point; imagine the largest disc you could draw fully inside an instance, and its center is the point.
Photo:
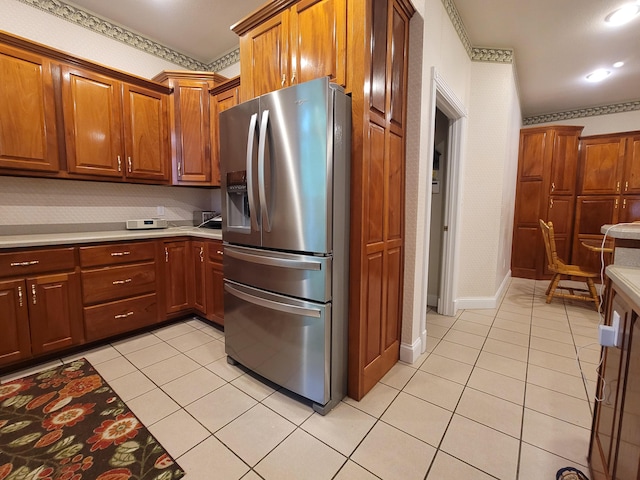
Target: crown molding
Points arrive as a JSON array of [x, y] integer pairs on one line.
[[496, 55], [456, 20], [583, 112]]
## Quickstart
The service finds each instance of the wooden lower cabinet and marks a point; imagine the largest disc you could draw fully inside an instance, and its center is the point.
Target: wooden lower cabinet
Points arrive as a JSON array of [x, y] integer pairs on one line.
[[177, 269], [116, 288], [119, 288], [614, 452], [215, 282], [40, 313]]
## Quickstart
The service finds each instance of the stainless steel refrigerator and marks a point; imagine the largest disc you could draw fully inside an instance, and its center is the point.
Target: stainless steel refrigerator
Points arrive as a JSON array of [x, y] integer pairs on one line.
[[284, 160]]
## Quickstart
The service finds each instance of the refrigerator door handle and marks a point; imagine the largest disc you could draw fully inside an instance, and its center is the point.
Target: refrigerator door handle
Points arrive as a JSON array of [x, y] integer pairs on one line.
[[250, 139], [274, 262], [261, 184], [279, 306]]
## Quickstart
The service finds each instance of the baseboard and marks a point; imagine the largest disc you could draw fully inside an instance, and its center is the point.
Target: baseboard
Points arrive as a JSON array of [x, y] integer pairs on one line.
[[409, 353], [432, 300], [477, 303]]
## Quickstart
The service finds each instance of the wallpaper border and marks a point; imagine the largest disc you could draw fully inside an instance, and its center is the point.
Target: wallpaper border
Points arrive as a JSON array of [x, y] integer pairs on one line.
[[583, 112], [99, 25]]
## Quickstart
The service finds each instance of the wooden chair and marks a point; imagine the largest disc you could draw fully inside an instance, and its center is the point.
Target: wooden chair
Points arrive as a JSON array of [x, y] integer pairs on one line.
[[560, 269]]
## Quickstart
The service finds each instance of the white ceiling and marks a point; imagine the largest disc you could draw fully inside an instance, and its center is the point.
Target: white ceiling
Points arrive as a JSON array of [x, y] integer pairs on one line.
[[555, 42]]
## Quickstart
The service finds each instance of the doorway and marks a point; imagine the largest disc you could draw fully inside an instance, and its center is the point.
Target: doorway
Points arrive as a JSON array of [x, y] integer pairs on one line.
[[450, 114]]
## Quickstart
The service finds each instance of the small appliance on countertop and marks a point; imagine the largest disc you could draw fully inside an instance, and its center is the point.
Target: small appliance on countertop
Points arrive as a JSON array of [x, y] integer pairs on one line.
[[146, 223], [207, 219]]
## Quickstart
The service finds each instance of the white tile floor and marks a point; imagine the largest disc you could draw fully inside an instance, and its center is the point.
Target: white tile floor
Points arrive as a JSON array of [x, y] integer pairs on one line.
[[499, 394]]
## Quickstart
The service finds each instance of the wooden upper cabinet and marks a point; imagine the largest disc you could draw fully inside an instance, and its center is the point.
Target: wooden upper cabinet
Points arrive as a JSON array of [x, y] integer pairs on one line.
[[146, 133], [298, 41], [225, 96], [601, 162], [93, 126], [264, 57], [114, 128], [564, 164], [192, 125], [318, 40], [28, 130]]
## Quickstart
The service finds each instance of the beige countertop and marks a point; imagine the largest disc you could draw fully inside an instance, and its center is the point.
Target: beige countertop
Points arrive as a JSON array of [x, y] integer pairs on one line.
[[626, 279], [46, 239], [630, 231]]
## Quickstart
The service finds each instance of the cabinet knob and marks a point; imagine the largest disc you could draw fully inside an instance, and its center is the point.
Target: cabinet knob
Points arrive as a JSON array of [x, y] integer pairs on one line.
[[626, 186], [201, 254], [166, 255], [551, 203], [624, 203], [20, 296], [293, 77], [220, 252], [130, 164], [33, 292], [616, 205], [179, 169], [553, 187], [284, 79], [119, 164]]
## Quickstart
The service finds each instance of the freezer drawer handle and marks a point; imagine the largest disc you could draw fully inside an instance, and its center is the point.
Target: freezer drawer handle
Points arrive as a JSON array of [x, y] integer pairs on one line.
[[281, 307], [274, 262]]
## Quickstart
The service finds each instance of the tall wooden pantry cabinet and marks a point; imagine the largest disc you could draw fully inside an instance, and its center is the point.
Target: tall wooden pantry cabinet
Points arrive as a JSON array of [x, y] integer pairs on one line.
[[292, 41], [545, 189]]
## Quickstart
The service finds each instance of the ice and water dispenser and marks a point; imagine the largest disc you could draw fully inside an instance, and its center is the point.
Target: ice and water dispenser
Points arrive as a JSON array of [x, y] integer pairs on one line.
[[238, 214]]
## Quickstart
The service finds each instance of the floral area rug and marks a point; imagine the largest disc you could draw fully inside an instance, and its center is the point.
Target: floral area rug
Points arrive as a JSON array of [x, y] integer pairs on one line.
[[67, 424]]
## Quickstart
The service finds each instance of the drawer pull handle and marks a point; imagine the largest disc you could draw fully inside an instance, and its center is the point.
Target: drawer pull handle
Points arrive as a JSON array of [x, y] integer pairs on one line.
[[25, 264], [20, 296], [33, 292], [120, 254], [220, 252], [121, 282], [123, 315]]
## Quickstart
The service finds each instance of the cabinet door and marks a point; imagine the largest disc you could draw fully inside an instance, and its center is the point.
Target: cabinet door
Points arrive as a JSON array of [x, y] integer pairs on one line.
[[55, 312], [564, 163], [318, 40], [632, 165], [628, 448], [592, 211], [264, 57], [28, 138], [199, 276], [560, 213], [223, 101], [601, 163], [15, 342], [146, 130], [93, 126], [176, 275], [215, 282], [630, 209], [192, 139]]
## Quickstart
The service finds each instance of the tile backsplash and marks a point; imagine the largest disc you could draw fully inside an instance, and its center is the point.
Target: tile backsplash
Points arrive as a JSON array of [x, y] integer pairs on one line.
[[33, 202]]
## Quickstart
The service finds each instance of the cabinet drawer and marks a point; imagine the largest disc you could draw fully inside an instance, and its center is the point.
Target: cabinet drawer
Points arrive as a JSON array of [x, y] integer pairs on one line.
[[118, 282], [215, 251], [105, 320], [116, 253], [28, 262]]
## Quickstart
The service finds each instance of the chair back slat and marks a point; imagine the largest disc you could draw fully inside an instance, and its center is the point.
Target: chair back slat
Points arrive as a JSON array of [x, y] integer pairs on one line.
[[549, 244]]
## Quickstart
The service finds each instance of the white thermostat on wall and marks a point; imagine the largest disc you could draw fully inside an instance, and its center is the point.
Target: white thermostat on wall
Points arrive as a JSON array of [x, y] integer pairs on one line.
[[146, 223]]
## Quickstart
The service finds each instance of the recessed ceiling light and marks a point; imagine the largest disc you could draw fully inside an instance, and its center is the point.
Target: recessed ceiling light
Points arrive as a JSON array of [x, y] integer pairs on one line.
[[623, 14], [598, 75], [618, 64]]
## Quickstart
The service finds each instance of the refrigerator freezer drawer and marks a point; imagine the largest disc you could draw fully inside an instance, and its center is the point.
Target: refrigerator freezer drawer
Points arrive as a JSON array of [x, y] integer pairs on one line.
[[294, 275], [285, 340]]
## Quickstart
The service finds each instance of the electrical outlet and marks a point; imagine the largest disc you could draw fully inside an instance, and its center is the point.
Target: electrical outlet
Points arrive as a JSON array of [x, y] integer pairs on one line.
[[160, 210]]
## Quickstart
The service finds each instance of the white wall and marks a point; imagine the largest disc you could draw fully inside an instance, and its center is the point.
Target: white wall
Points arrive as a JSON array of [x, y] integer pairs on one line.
[[489, 180], [25, 201], [488, 92]]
